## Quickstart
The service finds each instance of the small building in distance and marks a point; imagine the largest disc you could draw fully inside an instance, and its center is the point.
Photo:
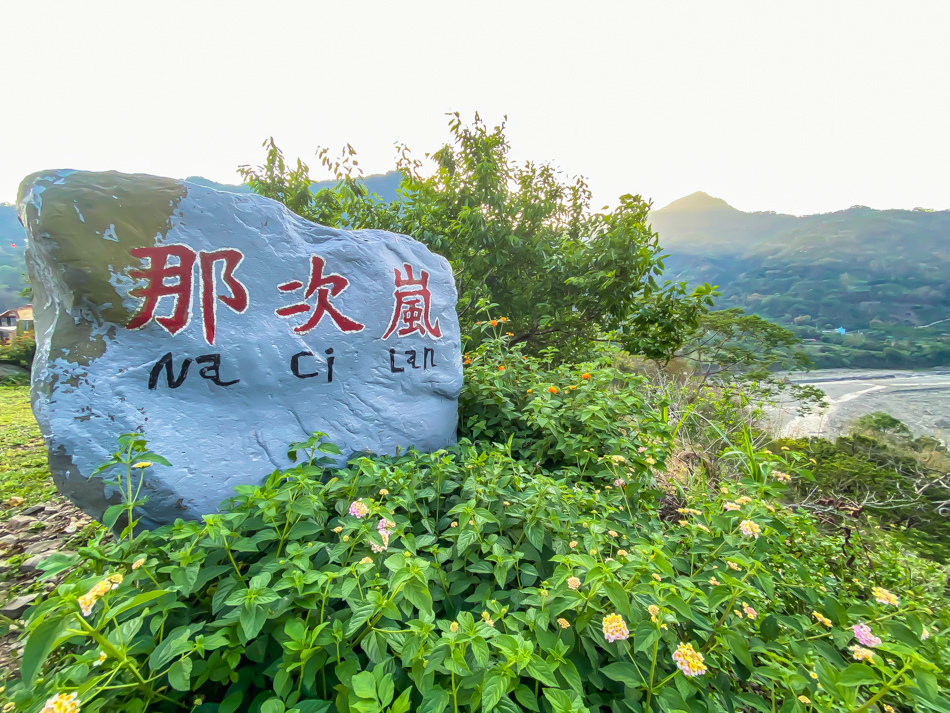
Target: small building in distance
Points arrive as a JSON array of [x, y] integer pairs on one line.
[[16, 322]]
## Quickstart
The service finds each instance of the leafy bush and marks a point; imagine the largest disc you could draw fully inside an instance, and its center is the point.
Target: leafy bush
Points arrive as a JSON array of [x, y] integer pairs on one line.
[[516, 234], [526, 569], [19, 351]]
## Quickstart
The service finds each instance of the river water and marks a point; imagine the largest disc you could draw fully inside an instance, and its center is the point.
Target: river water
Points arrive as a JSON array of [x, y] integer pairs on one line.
[[921, 399]]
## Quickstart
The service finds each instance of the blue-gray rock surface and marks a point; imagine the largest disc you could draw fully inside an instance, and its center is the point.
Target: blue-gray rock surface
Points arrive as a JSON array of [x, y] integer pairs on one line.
[[224, 327]]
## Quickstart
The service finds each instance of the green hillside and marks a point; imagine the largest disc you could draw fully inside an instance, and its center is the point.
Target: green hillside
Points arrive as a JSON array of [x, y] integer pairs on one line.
[[12, 245], [882, 275]]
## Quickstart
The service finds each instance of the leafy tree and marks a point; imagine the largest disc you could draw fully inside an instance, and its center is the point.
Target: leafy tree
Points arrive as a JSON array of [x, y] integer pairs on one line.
[[518, 235], [883, 423], [730, 346]]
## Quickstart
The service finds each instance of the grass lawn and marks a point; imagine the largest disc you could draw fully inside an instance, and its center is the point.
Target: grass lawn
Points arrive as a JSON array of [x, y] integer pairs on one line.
[[23, 468]]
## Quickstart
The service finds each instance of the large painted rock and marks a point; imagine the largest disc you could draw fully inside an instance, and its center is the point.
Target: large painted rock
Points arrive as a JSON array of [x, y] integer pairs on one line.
[[223, 327]]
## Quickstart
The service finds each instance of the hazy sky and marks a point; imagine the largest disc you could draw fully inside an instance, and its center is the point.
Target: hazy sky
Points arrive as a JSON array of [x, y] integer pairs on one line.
[[790, 106]]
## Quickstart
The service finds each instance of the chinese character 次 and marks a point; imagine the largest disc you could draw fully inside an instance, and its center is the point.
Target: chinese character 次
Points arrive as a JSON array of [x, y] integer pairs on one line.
[[170, 273], [325, 287], [412, 303]]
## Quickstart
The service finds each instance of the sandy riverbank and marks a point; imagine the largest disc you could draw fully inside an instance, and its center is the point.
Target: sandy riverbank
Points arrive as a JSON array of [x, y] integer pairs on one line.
[[921, 399]]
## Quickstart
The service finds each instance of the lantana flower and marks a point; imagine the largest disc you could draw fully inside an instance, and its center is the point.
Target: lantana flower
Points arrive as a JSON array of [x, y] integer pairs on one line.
[[780, 476], [749, 611], [862, 632], [563, 623], [821, 619], [729, 506], [358, 509], [615, 628], [689, 661], [883, 596], [750, 529], [62, 703], [573, 583], [861, 654]]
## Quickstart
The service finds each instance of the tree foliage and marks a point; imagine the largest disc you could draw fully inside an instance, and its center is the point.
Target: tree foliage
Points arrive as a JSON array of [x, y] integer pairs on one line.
[[518, 235], [730, 346]]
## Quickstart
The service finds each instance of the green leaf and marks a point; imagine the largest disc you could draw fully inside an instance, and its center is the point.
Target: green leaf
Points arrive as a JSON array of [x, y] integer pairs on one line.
[[526, 698], [364, 685], [561, 701], [272, 705], [232, 701], [310, 706], [493, 688], [435, 700], [541, 670], [624, 672], [402, 703], [769, 628], [112, 514], [303, 529], [858, 674], [136, 601], [179, 675], [39, 645], [384, 688], [619, 598]]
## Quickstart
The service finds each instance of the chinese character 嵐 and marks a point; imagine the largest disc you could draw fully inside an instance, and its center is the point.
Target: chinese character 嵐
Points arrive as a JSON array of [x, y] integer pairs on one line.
[[325, 287], [165, 278], [411, 310]]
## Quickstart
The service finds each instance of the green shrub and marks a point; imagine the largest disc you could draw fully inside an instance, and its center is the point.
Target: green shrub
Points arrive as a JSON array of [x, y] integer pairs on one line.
[[19, 351], [489, 577]]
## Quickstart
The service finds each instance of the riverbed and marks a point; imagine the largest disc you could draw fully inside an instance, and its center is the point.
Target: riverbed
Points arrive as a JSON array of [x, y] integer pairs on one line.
[[921, 399]]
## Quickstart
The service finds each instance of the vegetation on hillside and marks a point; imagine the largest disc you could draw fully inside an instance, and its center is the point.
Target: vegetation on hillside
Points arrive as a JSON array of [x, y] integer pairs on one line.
[[547, 563], [882, 470], [882, 275]]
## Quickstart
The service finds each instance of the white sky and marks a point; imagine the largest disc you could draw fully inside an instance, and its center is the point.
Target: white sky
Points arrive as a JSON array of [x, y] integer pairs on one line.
[[790, 106]]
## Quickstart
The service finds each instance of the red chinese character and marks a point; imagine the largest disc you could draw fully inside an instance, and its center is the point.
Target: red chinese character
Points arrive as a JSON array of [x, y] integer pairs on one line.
[[237, 300], [157, 272], [175, 280], [326, 286], [412, 305]]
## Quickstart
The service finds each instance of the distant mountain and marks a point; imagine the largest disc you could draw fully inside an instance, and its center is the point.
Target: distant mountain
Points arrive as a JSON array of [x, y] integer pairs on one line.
[[882, 273], [12, 244], [13, 239]]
